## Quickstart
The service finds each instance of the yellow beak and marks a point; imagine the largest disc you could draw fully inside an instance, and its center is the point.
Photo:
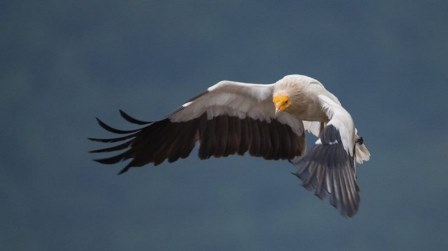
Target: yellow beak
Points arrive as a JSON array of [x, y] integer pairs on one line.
[[281, 102]]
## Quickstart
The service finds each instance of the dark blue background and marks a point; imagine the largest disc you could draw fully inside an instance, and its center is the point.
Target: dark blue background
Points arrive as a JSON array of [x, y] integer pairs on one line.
[[64, 62]]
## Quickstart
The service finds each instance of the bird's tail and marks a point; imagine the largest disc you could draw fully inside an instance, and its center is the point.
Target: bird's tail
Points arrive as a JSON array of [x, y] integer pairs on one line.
[[361, 153]]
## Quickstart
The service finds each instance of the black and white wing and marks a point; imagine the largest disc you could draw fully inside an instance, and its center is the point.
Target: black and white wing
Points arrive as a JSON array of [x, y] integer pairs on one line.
[[229, 118], [329, 168]]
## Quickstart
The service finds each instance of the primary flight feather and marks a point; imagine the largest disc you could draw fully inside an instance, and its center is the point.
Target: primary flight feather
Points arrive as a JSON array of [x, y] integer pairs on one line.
[[267, 121]]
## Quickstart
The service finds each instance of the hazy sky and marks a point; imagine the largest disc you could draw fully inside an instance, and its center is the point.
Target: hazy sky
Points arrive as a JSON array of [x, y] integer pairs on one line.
[[62, 63]]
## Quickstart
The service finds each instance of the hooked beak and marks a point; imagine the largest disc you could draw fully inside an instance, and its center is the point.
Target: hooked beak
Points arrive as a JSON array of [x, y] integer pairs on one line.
[[281, 102], [277, 110]]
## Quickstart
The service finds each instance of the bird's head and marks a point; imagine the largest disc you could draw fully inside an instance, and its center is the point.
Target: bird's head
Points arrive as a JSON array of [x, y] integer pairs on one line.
[[281, 102]]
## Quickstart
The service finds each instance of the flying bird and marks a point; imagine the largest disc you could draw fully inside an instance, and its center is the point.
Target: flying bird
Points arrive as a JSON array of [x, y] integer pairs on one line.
[[265, 120]]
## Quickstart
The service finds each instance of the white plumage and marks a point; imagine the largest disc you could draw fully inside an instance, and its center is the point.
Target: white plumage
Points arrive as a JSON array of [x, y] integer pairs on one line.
[[268, 121]]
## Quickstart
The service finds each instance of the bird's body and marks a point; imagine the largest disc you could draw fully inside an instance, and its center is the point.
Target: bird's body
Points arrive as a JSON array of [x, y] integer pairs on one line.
[[268, 121]]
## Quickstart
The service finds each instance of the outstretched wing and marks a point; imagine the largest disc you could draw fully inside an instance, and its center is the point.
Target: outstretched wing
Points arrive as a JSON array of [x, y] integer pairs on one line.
[[229, 118], [329, 168]]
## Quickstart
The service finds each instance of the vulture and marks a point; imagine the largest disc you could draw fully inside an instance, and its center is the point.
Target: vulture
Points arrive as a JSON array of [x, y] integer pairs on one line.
[[265, 120]]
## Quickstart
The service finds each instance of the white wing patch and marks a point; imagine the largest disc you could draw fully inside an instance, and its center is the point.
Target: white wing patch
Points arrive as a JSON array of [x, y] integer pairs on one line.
[[295, 124], [187, 104], [257, 91], [312, 127], [341, 120], [236, 99]]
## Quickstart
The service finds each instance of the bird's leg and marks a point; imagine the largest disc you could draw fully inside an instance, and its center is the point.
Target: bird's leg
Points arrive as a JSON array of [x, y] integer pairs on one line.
[[321, 129]]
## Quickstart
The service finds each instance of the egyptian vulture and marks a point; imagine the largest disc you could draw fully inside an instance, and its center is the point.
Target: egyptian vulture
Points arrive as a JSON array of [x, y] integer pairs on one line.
[[266, 120]]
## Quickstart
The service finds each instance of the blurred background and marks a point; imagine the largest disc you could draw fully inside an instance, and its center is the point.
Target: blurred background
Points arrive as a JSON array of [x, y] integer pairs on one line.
[[62, 63]]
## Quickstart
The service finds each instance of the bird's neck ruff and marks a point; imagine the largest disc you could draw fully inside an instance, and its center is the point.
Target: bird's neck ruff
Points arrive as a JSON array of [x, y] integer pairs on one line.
[[290, 95]]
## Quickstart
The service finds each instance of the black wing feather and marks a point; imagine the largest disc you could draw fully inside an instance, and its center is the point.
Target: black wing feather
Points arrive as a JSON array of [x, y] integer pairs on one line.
[[218, 136], [330, 171], [113, 130], [133, 120]]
